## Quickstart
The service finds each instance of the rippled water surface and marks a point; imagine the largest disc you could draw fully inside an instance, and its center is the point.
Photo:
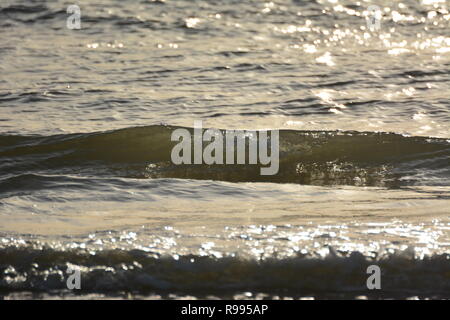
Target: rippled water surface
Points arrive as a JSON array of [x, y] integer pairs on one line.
[[86, 179]]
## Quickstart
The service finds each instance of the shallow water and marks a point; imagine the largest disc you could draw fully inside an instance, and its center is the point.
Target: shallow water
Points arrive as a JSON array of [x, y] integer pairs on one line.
[[86, 178]]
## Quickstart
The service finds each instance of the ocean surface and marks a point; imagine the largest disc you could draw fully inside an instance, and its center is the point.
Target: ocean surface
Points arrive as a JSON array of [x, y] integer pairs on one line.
[[87, 182]]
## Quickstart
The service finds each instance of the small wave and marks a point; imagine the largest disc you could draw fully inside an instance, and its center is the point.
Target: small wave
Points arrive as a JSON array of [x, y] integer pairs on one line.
[[30, 13], [18, 9], [306, 157]]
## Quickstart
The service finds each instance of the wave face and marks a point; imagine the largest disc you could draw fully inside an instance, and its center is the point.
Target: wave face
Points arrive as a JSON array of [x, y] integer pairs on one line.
[[306, 157]]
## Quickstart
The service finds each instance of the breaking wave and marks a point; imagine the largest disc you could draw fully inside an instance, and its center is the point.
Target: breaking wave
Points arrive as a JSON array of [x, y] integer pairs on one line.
[[45, 269]]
